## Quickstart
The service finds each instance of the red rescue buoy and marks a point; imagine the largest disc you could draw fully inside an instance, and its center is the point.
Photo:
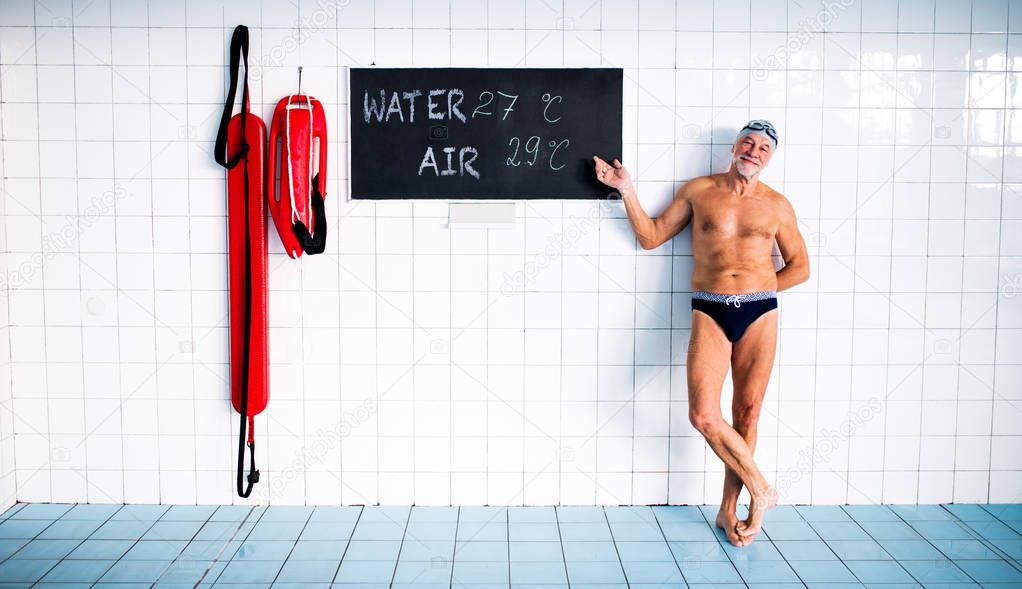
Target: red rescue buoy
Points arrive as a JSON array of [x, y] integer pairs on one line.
[[298, 143], [241, 148]]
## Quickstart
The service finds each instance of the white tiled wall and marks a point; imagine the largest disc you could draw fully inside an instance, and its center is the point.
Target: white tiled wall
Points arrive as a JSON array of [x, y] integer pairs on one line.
[[412, 363]]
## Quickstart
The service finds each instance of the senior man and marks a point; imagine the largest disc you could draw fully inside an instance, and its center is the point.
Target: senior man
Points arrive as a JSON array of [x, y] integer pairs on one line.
[[736, 219]]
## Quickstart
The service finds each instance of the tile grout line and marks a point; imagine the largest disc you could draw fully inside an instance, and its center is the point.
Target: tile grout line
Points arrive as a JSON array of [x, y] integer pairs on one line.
[[961, 290], [660, 527], [191, 292], [116, 284], [507, 530], [347, 545], [670, 274], [404, 533], [926, 289], [78, 244], [819, 228], [5, 293], [228, 541], [1000, 242], [289, 552], [635, 280], [882, 470], [610, 530], [302, 339], [560, 544], [454, 545], [967, 527], [46, 378]]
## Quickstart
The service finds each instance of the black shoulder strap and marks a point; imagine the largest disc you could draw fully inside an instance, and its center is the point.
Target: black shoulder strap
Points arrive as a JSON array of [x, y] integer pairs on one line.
[[313, 244], [239, 52]]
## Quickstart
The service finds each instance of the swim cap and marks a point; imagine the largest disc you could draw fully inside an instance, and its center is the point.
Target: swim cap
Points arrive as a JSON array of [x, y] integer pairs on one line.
[[761, 126]]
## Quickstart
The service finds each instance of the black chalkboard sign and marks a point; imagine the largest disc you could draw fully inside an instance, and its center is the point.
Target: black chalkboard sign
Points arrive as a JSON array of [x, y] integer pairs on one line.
[[482, 133]]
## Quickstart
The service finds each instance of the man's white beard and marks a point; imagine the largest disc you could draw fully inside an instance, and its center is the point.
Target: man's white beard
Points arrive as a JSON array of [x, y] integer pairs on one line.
[[738, 162]]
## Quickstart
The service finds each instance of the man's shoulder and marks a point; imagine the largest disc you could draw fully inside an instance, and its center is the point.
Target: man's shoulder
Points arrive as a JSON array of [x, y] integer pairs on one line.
[[696, 186], [708, 180], [769, 192], [776, 198]]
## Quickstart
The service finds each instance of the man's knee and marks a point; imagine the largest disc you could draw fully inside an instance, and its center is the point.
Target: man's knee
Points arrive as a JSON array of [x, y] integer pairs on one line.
[[745, 416], [706, 421]]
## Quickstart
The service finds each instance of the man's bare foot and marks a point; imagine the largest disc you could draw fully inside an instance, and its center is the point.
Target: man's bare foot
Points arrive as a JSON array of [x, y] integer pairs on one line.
[[758, 507], [727, 521]]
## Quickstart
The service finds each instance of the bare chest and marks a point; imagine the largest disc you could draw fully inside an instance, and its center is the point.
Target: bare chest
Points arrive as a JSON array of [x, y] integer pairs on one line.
[[730, 219]]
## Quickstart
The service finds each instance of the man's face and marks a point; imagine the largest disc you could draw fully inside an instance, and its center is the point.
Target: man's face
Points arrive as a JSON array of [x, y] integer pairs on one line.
[[751, 154]]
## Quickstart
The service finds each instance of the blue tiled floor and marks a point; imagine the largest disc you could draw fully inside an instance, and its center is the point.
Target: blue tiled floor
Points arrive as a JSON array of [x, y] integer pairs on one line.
[[50, 546]]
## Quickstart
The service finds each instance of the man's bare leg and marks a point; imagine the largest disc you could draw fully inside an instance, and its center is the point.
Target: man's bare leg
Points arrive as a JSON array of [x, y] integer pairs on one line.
[[709, 355], [752, 360], [727, 517], [708, 360]]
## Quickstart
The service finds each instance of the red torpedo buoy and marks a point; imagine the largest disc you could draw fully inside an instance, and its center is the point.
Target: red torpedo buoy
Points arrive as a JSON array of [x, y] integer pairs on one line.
[[241, 149]]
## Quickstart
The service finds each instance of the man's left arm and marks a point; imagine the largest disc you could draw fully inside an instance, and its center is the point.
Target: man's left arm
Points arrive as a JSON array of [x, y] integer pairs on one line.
[[793, 250]]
